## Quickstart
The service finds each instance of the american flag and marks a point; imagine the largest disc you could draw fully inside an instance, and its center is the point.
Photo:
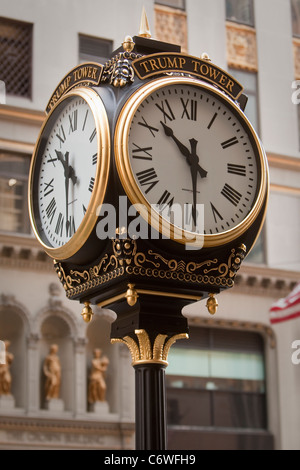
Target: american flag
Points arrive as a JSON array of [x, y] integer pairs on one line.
[[286, 308]]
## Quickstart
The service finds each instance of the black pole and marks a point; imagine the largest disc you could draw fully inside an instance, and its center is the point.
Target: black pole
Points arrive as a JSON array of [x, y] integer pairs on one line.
[[150, 407]]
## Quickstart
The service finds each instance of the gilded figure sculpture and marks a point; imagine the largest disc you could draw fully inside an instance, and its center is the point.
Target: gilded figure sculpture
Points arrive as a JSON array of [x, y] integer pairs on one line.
[[5, 375], [52, 371], [97, 384]]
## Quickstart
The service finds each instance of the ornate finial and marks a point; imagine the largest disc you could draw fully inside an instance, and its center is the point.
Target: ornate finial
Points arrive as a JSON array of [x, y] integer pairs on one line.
[[205, 56], [128, 44], [87, 312], [144, 26], [212, 304], [131, 295]]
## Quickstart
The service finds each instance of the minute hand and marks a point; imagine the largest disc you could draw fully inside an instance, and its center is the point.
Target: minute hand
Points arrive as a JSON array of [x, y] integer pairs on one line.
[[183, 149]]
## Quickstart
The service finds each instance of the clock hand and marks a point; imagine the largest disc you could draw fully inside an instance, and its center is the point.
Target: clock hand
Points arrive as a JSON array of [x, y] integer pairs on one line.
[[194, 171], [68, 168], [183, 149]]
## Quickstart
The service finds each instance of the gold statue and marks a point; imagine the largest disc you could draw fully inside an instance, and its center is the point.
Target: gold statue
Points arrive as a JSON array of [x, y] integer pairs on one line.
[[97, 385], [5, 376], [52, 371]]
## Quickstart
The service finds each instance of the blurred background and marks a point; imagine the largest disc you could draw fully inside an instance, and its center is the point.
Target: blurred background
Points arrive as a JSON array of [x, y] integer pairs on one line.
[[235, 383]]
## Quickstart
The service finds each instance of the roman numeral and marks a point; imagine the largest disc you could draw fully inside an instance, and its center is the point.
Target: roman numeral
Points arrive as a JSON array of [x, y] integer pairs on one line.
[[215, 213], [166, 199], [73, 121], [145, 155], [231, 194], [94, 159], [48, 187], [84, 208], [51, 209], [212, 120], [52, 160], [91, 184], [85, 118], [92, 136], [61, 135], [189, 109], [147, 178], [150, 128], [70, 227], [169, 116], [59, 225], [236, 169], [229, 142]]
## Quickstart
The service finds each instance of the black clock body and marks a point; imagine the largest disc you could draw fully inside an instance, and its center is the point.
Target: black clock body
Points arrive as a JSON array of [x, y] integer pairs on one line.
[[133, 249]]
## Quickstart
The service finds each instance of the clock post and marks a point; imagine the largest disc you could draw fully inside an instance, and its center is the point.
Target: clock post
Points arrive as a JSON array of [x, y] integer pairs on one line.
[[152, 189]]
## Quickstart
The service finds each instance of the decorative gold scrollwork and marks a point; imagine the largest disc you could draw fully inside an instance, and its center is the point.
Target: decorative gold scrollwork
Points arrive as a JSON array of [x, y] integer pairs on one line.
[[142, 351], [127, 259]]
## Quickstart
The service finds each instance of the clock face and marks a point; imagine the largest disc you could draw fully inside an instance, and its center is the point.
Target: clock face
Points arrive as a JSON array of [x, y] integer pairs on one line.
[[70, 160], [192, 156]]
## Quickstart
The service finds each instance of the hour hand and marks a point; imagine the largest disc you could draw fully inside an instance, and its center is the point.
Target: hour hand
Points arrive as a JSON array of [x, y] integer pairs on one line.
[[69, 170], [169, 133], [61, 158], [184, 150]]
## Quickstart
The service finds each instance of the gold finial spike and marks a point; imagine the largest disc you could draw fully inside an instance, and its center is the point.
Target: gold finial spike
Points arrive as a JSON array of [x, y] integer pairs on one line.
[[212, 304], [87, 312], [144, 26]]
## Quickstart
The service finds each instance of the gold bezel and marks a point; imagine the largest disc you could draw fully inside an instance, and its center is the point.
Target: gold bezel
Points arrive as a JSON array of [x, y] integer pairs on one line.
[[138, 198], [101, 178]]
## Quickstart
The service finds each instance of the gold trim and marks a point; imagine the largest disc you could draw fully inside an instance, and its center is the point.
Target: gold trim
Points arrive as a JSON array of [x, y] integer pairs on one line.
[[135, 194], [124, 295], [142, 351], [101, 178]]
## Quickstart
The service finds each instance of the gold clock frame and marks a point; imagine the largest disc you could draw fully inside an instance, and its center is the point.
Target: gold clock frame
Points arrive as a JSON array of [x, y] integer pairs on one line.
[[136, 196], [72, 246]]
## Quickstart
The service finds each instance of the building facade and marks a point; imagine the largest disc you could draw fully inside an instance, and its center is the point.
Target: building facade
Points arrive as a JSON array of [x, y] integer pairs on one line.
[[233, 384]]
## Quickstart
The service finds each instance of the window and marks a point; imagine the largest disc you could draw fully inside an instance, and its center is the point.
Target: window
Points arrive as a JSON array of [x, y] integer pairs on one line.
[[240, 11], [16, 57], [216, 380], [14, 169], [258, 253], [249, 82], [172, 3], [295, 7], [93, 49]]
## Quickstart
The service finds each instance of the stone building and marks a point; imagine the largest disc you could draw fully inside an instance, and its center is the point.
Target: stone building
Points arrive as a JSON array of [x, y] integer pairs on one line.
[[233, 383]]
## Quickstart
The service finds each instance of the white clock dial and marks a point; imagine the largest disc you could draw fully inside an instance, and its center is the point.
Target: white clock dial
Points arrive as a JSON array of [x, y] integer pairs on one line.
[[189, 147], [67, 172], [67, 164]]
